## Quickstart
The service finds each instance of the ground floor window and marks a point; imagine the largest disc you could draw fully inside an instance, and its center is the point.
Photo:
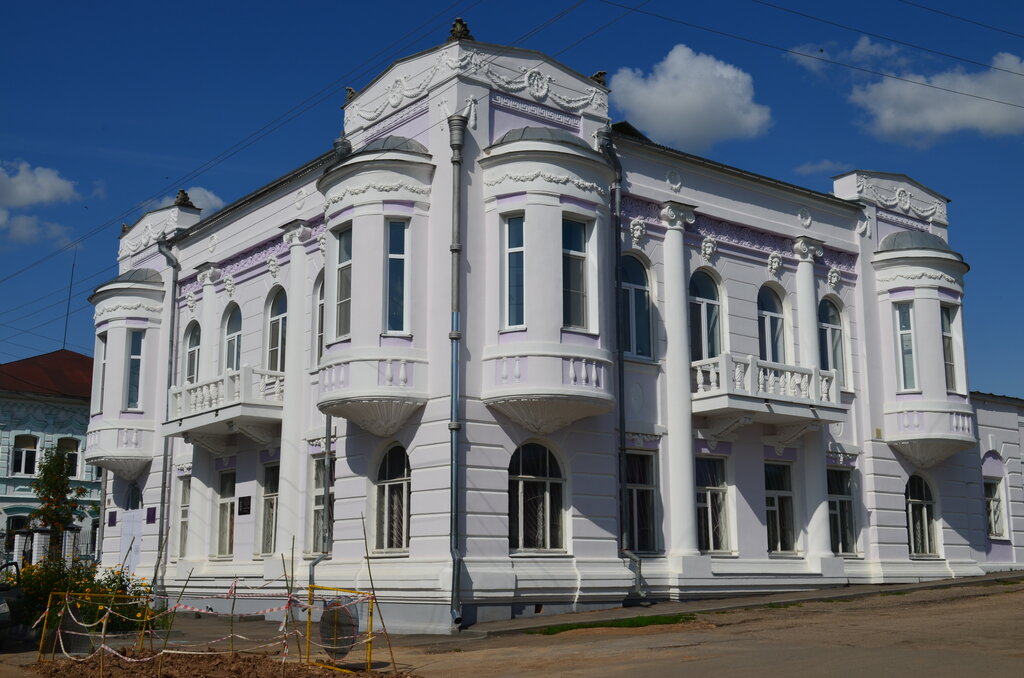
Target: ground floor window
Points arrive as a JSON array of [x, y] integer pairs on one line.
[[840, 511], [323, 508], [711, 498], [185, 497], [994, 508], [271, 483], [534, 499], [226, 515], [778, 499], [920, 517], [394, 481], [641, 535]]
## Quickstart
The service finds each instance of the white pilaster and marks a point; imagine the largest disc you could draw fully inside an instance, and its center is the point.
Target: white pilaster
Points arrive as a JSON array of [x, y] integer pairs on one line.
[[208, 363], [806, 249]]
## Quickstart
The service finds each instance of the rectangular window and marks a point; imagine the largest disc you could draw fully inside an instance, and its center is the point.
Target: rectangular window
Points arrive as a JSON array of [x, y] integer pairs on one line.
[[711, 497], [271, 484], [101, 372], [514, 272], [948, 314], [322, 475], [994, 509], [134, 372], [185, 494], [779, 508], [343, 312], [905, 341], [641, 487], [226, 515], [840, 512], [574, 274], [396, 277]]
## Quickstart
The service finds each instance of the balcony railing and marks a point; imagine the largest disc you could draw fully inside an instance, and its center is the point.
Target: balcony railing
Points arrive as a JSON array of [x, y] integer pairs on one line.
[[246, 386], [743, 375]]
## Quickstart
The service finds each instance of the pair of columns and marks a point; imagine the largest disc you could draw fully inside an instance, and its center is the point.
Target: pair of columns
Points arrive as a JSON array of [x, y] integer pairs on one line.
[[682, 525]]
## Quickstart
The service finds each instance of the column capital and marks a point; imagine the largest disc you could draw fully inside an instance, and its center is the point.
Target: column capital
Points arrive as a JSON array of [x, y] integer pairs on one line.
[[208, 273], [806, 249], [296, 232], [676, 214]]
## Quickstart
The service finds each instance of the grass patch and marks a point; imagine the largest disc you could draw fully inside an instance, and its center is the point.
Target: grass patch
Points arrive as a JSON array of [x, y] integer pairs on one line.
[[893, 593], [630, 623], [838, 600], [782, 606]]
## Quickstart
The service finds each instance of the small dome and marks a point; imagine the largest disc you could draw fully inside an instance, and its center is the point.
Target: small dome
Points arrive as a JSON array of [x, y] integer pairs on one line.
[[394, 143], [559, 136], [135, 276], [913, 240]]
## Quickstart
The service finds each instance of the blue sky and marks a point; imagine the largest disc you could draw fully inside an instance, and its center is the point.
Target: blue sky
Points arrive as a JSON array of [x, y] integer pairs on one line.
[[105, 106]]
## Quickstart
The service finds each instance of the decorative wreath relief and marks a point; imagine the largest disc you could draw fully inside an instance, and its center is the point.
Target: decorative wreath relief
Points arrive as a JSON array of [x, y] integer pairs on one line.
[[675, 182], [190, 299], [538, 83], [229, 285], [637, 230], [273, 265], [707, 248], [804, 215], [774, 264], [833, 278], [211, 243]]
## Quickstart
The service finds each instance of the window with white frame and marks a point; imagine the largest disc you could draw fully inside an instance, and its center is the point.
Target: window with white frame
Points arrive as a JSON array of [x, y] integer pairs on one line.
[[393, 506], [23, 455], [271, 485], [948, 315], [905, 345], [535, 493], [100, 380], [343, 307], [635, 306], [68, 448], [641, 486], [323, 514], [712, 489], [705, 317], [778, 491], [842, 526], [830, 340], [192, 341], [771, 334], [574, 274], [994, 508], [320, 320], [226, 514], [920, 517], [233, 340], [133, 374], [184, 499], [515, 253], [396, 277], [277, 330]]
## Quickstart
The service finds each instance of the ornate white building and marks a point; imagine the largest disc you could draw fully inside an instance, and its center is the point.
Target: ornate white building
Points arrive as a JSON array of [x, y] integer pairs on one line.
[[642, 372]]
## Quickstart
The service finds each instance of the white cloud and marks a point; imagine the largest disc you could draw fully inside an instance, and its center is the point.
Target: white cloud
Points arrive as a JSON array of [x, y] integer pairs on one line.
[[25, 229], [919, 115], [822, 167], [796, 55], [690, 100], [865, 52], [204, 199], [21, 185]]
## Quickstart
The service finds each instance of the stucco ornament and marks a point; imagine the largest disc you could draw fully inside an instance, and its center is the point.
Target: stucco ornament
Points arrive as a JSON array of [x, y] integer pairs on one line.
[[675, 181], [211, 243], [807, 249], [902, 199], [637, 230], [804, 215], [321, 242], [774, 264], [675, 215], [190, 300], [708, 247], [229, 285], [560, 179], [833, 278], [273, 265], [863, 227], [300, 198]]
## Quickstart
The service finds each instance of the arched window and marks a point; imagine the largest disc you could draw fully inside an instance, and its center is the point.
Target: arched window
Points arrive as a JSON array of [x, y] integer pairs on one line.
[[635, 323], [233, 340], [534, 499], [393, 484], [920, 517], [276, 331], [770, 328], [192, 340], [830, 340], [705, 317], [320, 319]]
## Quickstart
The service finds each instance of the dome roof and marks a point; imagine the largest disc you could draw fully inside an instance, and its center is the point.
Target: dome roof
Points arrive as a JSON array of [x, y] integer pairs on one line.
[[137, 275], [394, 143], [559, 136], [913, 240]]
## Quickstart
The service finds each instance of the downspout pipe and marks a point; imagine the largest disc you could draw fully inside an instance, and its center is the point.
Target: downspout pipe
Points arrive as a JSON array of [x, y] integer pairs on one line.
[[172, 298], [457, 139]]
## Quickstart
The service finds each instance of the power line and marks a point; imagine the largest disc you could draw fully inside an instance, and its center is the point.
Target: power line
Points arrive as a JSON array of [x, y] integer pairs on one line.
[[961, 18], [885, 37], [811, 56]]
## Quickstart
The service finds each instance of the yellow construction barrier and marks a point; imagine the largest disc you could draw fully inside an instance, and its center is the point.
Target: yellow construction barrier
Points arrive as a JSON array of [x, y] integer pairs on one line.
[[339, 616]]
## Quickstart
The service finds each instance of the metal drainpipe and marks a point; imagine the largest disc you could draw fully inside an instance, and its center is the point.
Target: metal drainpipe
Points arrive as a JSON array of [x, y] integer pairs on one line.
[[98, 553], [172, 261], [328, 524], [457, 134]]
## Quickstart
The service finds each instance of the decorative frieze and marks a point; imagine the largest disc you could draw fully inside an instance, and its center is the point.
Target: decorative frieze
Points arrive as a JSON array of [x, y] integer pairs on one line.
[[902, 199], [551, 115], [559, 179]]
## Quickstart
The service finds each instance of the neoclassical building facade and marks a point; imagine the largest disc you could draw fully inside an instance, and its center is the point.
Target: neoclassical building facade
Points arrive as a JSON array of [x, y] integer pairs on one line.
[[556, 366]]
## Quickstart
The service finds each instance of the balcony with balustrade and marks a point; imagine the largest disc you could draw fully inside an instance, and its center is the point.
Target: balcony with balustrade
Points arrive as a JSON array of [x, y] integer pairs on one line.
[[213, 412], [767, 391]]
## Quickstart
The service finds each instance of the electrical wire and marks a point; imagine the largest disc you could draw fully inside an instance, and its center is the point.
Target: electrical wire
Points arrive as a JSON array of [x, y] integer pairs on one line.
[[960, 18]]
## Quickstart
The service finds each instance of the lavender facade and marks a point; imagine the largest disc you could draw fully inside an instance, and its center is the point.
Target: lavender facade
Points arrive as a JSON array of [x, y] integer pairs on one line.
[[642, 372]]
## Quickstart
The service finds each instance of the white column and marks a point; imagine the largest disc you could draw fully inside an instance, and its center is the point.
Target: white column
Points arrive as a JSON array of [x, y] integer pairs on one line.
[[40, 544], [679, 468], [208, 363], [20, 537], [294, 457], [819, 543]]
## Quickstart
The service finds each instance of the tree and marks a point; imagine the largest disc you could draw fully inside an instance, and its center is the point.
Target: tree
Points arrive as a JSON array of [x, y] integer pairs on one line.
[[58, 497]]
